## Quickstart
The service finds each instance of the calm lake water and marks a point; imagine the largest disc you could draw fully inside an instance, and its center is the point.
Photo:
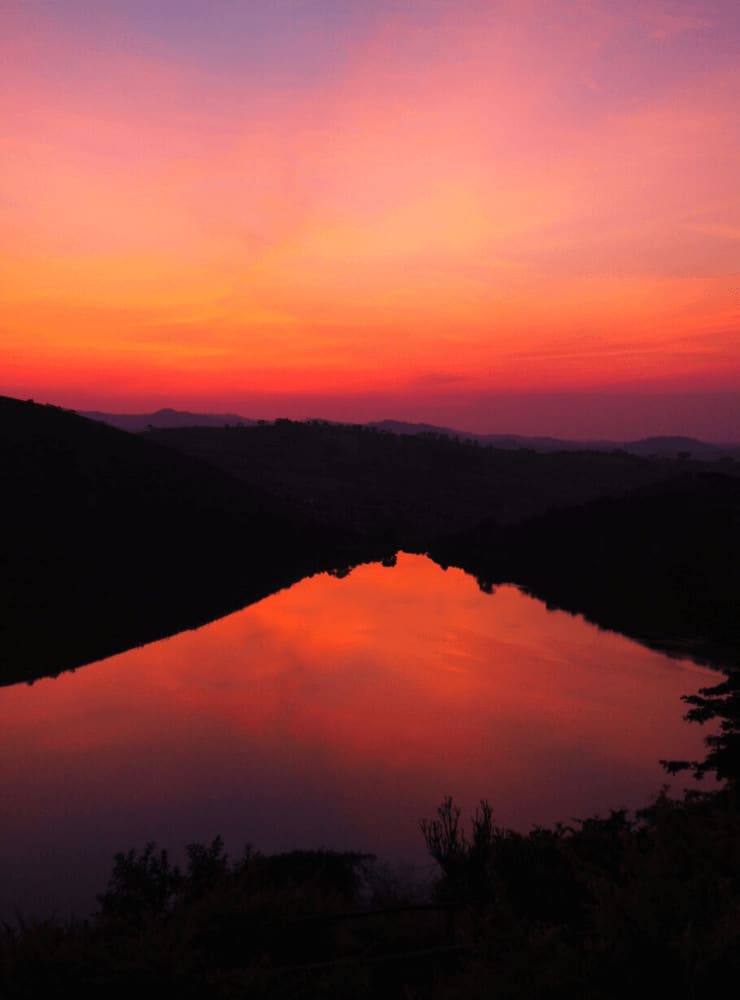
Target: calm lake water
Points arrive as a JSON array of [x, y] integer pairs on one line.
[[338, 714]]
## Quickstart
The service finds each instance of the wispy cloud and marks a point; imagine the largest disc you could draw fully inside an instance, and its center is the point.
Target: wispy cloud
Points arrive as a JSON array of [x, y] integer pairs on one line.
[[665, 22]]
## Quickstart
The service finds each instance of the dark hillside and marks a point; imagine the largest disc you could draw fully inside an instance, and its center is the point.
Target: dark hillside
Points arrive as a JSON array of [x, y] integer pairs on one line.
[[407, 489], [110, 540], [647, 546], [661, 563]]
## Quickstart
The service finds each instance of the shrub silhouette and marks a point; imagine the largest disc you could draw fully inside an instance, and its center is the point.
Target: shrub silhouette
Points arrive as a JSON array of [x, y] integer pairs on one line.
[[142, 885]]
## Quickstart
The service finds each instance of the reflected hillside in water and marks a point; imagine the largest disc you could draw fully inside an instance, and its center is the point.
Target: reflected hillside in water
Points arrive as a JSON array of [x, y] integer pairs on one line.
[[333, 714], [117, 539], [661, 563], [111, 541]]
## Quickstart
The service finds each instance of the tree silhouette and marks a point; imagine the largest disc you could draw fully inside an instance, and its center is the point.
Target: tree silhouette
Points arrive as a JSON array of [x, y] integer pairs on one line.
[[721, 701]]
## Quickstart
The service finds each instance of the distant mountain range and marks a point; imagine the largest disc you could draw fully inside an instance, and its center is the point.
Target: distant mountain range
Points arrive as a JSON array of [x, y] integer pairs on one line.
[[165, 418], [657, 445], [671, 445]]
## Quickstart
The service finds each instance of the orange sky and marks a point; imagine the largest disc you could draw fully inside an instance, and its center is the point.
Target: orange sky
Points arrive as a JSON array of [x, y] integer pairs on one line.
[[282, 207]]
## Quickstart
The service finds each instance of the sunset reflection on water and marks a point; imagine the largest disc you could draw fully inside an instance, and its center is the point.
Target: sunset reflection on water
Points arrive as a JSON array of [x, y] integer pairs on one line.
[[336, 713]]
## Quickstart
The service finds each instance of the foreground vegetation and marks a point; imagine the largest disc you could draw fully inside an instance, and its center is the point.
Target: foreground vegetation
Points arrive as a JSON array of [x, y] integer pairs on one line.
[[609, 905]]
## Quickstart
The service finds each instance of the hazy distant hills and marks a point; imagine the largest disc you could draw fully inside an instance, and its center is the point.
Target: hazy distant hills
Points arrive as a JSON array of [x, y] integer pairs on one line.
[[164, 418], [669, 445], [659, 445]]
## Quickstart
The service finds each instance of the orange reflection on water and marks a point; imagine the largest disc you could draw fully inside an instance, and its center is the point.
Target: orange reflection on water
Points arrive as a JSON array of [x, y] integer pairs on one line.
[[336, 713]]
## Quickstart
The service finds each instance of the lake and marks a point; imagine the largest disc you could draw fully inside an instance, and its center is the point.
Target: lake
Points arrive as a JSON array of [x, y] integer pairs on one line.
[[337, 713]]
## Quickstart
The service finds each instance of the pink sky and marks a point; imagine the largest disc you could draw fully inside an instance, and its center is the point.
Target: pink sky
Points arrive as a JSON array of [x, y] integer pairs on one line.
[[516, 217]]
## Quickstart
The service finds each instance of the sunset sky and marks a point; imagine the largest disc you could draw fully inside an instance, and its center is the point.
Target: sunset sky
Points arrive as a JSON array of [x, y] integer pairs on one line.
[[515, 216]]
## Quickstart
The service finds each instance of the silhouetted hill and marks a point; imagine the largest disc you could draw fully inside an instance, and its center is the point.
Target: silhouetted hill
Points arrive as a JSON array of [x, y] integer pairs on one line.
[[407, 489], [647, 546], [113, 539], [676, 445], [110, 540], [661, 564]]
